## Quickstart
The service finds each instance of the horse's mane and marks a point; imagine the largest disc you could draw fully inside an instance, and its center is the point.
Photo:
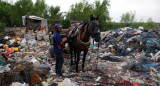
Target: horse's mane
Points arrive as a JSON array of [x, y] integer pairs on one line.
[[84, 25]]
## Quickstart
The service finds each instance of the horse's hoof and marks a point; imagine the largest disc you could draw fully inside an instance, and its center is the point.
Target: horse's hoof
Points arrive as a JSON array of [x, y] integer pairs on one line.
[[83, 70]]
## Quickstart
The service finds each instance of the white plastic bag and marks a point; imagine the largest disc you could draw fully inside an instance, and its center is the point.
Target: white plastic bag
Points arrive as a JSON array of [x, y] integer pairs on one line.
[[67, 82], [29, 36], [46, 38], [18, 84], [35, 62], [31, 42], [23, 41]]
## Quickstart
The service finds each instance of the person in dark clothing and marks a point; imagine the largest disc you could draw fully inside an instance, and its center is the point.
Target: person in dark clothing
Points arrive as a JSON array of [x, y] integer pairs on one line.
[[58, 48]]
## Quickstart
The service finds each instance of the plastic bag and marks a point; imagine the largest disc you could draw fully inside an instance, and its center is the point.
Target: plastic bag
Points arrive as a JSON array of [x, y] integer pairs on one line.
[[67, 82], [18, 84]]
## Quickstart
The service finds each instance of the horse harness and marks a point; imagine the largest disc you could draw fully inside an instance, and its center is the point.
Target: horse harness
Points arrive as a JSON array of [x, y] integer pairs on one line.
[[81, 42], [76, 32]]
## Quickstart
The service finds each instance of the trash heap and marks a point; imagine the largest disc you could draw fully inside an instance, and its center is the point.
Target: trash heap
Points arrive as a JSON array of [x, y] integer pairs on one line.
[[132, 56], [22, 60], [124, 57]]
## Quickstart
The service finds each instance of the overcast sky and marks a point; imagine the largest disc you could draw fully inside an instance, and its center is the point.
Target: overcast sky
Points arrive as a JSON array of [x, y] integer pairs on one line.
[[144, 9]]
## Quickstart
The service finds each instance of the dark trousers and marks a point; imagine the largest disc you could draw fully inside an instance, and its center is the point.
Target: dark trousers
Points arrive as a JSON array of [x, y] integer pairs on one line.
[[59, 63]]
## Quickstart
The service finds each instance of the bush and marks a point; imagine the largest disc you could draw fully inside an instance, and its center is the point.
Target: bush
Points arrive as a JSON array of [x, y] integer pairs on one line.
[[2, 26]]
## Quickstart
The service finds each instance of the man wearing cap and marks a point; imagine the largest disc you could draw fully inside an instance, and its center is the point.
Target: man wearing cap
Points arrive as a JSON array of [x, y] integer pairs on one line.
[[58, 48]]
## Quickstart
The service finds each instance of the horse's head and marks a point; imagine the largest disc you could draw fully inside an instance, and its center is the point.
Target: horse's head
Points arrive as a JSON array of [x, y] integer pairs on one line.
[[94, 28]]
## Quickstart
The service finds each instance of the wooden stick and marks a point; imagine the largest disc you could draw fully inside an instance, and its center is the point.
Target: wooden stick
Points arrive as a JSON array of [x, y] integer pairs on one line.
[[106, 34]]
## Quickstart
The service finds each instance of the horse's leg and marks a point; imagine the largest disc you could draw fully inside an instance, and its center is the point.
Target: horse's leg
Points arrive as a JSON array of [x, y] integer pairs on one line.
[[75, 54], [75, 58], [84, 58], [71, 57], [77, 62], [71, 52]]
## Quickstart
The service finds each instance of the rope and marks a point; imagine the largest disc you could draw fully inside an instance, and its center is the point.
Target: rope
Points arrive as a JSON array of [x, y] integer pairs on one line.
[[84, 43]]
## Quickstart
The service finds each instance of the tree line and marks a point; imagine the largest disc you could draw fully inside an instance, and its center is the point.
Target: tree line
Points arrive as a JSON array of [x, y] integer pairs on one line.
[[11, 14]]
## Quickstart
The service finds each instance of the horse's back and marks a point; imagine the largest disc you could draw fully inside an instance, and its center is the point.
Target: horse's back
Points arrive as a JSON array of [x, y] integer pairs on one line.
[[73, 31]]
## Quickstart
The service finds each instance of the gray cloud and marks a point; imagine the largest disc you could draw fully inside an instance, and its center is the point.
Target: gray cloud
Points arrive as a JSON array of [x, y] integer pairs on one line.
[[144, 9]]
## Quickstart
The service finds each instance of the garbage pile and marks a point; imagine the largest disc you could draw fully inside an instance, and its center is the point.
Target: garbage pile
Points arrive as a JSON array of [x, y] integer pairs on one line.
[[126, 57], [23, 60], [136, 53]]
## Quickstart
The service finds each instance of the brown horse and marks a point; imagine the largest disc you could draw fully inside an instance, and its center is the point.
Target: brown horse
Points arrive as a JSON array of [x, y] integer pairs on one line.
[[81, 41]]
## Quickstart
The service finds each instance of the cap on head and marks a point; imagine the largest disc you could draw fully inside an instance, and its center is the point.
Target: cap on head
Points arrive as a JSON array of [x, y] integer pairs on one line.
[[56, 26]]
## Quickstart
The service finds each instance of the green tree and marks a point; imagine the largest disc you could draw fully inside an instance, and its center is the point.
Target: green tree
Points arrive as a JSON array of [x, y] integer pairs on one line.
[[5, 9], [150, 24], [102, 10], [40, 8], [54, 15], [54, 12], [2, 26], [46, 12], [19, 9], [81, 11], [128, 17]]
